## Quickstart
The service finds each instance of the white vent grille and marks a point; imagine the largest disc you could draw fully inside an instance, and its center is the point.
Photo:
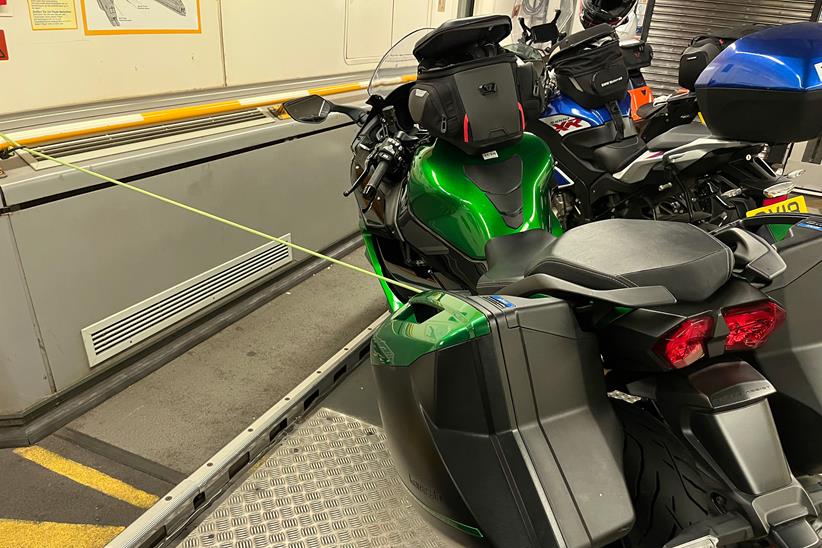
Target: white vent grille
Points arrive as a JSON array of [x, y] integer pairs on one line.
[[128, 327]]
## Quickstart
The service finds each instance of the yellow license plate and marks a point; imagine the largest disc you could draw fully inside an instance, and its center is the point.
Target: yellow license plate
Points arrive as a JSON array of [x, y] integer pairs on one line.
[[793, 205]]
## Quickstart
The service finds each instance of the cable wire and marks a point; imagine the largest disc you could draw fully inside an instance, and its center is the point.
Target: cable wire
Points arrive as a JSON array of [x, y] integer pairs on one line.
[[206, 214]]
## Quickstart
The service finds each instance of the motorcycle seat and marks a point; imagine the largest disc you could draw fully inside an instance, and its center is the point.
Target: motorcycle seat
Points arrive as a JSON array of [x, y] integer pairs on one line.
[[649, 109], [509, 256], [679, 136], [614, 254], [614, 157], [619, 253]]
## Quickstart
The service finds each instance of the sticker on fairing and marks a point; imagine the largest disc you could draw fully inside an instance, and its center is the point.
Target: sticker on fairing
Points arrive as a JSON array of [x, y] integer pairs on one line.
[[490, 155], [564, 125], [819, 70], [499, 300], [811, 224]]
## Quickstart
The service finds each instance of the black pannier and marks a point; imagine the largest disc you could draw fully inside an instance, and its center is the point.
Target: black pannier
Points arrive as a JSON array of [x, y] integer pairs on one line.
[[466, 91], [590, 67], [705, 48], [694, 60]]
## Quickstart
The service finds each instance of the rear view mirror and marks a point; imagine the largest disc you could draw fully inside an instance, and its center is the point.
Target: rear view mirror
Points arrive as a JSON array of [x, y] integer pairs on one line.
[[547, 33], [312, 109]]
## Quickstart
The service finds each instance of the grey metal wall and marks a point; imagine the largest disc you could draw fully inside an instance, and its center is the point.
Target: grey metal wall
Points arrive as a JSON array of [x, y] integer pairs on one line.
[[675, 22], [75, 253]]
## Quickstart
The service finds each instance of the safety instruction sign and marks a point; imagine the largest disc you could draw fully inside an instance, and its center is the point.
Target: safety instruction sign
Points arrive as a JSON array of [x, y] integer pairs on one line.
[[4, 51], [52, 14], [141, 16]]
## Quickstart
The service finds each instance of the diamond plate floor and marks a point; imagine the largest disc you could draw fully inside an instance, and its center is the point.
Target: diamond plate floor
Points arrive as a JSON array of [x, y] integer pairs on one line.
[[330, 483]]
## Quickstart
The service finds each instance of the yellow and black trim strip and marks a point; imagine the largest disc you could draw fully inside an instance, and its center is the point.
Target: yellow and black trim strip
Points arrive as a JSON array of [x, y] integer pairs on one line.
[[73, 130]]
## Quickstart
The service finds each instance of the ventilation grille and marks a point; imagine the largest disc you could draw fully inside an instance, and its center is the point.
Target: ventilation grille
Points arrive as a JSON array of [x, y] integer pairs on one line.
[[128, 327], [120, 138]]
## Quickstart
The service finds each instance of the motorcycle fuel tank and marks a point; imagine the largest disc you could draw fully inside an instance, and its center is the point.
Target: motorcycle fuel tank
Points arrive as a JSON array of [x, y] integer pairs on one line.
[[766, 87], [467, 200]]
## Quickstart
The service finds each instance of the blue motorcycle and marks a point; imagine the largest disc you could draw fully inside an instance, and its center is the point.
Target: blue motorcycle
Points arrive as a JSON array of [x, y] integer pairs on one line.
[[688, 174]]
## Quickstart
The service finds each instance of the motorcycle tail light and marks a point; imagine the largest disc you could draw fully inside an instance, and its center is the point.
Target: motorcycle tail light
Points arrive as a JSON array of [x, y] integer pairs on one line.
[[778, 192], [685, 344], [750, 325]]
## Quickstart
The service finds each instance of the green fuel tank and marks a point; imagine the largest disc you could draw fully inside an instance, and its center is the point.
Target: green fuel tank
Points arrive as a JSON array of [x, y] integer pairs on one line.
[[467, 200]]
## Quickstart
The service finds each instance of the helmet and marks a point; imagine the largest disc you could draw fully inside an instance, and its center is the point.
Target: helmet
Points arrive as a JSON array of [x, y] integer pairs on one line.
[[612, 12]]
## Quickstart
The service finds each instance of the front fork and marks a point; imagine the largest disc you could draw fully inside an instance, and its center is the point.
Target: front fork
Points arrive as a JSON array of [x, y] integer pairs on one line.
[[722, 412]]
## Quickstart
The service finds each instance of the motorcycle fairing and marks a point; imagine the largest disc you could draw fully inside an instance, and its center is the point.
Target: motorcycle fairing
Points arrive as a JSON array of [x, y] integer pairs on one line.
[[564, 106], [680, 158]]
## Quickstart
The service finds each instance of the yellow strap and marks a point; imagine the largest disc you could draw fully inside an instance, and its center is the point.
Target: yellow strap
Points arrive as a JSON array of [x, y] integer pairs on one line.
[[209, 215]]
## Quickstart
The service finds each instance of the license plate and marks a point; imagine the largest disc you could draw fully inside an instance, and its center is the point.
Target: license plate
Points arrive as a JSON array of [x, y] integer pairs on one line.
[[793, 205]]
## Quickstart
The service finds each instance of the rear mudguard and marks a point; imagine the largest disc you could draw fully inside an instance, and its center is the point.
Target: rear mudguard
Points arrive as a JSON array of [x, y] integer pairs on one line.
[[792, 358], [498, 420]]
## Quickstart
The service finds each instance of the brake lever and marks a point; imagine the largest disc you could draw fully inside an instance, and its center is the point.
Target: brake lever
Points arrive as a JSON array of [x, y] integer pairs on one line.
[[354, 186]]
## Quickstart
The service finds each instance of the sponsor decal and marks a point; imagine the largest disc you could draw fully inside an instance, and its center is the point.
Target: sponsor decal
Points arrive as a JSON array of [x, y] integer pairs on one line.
[[614, 81], [811, 224], [819, 70], [566, 124]]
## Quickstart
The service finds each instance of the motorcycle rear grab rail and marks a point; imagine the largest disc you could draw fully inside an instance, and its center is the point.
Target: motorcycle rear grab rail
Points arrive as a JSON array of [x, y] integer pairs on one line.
[[629, 297]]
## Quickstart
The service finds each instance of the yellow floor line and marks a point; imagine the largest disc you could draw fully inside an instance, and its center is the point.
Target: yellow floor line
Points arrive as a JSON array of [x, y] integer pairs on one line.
[[48, 534], [87, 476]]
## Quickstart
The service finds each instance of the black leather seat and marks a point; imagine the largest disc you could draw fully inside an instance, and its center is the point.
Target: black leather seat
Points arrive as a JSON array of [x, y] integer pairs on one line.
[[614, 157], [509, 256], [679, 136], [621, 253]]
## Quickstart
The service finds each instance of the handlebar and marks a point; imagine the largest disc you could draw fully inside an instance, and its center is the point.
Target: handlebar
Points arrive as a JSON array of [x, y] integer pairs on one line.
[[370, 189]]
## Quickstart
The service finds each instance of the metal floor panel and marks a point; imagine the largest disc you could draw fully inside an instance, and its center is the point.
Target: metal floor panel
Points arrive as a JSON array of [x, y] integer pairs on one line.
[[331, 482]]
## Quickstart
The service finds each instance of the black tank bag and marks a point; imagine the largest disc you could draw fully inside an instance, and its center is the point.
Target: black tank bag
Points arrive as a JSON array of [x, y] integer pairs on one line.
[[466, 91], [590, 69]]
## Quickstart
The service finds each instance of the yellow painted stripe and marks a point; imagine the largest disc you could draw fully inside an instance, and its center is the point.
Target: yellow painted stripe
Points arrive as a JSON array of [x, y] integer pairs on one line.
[[87, 476], [71, 131], [48, 534]]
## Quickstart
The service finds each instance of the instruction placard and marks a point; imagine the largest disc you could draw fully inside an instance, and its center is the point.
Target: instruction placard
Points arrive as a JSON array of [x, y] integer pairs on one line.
[[141, 16], [52, 14], [4, 51]]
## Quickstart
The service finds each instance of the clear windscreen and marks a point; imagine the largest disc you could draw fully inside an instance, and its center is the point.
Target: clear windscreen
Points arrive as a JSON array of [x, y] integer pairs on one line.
[[397, 66]]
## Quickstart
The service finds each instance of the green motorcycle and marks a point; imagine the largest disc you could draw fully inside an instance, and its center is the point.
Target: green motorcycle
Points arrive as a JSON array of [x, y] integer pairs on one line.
[[490, 383]]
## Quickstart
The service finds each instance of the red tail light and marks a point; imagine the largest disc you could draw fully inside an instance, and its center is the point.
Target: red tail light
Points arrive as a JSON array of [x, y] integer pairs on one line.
[[775, 200], [750, 325], [685, 344]]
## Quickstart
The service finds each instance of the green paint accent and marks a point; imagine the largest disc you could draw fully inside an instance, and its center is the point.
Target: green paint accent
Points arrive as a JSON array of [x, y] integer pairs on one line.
[[450, 204], [468, 529], [394, 302], [613, 315], [780, 232], [413, 331]]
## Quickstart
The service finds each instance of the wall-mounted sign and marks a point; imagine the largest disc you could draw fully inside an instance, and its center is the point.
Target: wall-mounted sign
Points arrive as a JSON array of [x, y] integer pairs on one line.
[[4, 51], [52, 14], [141, 16]]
